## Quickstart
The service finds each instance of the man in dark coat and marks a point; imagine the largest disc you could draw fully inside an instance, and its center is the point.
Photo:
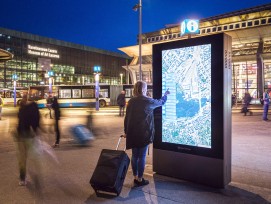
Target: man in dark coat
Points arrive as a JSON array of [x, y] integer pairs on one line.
[[56, 109], [121, 103], [139, 128]]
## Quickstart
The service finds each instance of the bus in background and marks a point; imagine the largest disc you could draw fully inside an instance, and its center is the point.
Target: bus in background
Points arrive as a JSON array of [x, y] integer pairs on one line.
[[128, 88], [8, 95], [115, 90], [70, 95]]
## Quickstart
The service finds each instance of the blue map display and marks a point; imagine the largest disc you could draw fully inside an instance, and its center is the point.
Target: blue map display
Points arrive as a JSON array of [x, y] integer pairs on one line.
[[186, 117]]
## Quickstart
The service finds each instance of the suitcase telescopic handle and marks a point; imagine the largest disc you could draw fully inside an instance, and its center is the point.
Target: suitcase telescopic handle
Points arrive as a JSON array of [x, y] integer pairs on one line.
[[122, 136]]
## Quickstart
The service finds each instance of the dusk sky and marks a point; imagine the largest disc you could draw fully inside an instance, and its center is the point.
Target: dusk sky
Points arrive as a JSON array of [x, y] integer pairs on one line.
[[107, 24]]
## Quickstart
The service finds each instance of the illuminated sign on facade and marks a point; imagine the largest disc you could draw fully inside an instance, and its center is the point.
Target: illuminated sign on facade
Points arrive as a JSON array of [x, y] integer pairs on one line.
[[189, 26], [41, 51]]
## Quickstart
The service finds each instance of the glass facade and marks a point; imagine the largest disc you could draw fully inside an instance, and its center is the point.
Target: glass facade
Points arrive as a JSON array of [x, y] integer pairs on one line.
[[72, 64], [244, 78]]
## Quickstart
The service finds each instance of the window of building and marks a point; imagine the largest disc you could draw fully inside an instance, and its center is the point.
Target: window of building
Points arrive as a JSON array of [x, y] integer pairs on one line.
[[263, 21], [244, 77], [256, 22], [219, 28], [214, 29], [231, 27], [237, 25], [244, 24], [249, 23]]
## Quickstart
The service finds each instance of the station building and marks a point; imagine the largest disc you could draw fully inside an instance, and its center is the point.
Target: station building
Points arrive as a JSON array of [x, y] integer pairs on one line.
[[72, 64], [250, 30]]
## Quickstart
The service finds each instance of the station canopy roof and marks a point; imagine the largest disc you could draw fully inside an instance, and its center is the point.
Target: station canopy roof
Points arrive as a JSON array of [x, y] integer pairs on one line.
[[240, 37], [5, 55]]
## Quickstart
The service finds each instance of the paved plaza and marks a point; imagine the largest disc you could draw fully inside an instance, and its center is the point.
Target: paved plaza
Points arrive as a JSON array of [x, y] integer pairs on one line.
[[67, 180]]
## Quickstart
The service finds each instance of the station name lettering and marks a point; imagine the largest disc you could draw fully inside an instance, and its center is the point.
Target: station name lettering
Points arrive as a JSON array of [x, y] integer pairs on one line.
[[41, 51]]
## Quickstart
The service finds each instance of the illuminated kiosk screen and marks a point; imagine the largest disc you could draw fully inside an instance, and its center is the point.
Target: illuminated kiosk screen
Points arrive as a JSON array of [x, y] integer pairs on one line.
[[186, 117]]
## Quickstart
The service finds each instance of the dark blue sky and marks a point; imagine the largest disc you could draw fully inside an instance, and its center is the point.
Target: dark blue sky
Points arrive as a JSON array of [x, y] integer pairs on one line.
[[107, 24]]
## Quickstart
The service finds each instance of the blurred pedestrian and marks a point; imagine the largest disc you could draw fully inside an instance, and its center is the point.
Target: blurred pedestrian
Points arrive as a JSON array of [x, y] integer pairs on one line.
[[28, 123], [247, 100], [1, 105], [139, 128], [49, 101], [266, 101], [55, 106], [121, 101], [233, 99]]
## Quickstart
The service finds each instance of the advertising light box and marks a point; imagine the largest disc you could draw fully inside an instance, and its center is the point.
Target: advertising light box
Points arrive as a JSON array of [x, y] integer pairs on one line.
[[192, 119]]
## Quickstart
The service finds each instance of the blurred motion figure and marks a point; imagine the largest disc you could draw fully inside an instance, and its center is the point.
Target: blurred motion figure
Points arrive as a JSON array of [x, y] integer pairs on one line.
[[28, 123], [247, 100]]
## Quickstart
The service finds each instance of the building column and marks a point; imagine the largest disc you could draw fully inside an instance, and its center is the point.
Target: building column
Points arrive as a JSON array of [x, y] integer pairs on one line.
[[5, 75], [260, 72]]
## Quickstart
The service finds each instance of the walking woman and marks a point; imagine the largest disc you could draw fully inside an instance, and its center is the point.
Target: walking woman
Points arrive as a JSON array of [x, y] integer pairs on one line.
[[139, 128]]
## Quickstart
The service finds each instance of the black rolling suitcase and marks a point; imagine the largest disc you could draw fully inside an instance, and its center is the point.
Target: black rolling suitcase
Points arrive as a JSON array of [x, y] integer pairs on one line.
[[110, 171]]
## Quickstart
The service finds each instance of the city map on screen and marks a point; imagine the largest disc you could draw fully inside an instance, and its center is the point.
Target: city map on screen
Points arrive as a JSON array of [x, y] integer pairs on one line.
[[186, 117]]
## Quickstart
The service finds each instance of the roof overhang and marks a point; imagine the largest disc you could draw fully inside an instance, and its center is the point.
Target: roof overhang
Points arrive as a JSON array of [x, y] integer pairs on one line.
[[5, 55], [243, 36]]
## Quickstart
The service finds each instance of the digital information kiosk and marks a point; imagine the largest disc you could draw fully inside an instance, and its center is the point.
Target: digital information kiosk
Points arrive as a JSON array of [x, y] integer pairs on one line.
[[193, 129]]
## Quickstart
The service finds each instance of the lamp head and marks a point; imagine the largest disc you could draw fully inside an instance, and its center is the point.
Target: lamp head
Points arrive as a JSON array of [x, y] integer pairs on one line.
[[136, 7]]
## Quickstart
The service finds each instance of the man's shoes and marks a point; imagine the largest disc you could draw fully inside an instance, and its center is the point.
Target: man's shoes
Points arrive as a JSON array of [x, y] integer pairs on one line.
[[22, 183], [55, 145], [143, 182], [265, 119]]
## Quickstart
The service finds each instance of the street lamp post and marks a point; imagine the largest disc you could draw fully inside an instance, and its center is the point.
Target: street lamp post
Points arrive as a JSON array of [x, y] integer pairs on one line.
[[97, 70], [135, 8], [14, 78]]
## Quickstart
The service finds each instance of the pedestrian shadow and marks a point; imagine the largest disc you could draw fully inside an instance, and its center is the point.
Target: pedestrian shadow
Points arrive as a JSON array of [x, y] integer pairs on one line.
[[193, 191], [128, 194]]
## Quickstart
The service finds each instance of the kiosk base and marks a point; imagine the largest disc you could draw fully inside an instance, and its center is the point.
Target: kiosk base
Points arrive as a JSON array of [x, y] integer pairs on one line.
[[204, 170]]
